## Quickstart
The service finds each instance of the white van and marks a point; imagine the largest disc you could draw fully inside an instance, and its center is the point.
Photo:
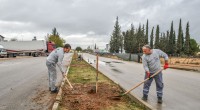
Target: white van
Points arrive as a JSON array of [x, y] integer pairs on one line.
[[3, 52]]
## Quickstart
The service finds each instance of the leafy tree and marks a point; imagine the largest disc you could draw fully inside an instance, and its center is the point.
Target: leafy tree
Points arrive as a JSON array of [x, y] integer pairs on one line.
[[78, 49], [54, 37], [130, 41], [14, 39], [34, 38], [194, 48]]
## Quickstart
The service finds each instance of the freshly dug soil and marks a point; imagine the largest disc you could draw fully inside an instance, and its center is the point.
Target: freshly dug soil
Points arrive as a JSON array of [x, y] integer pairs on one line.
[[83, 97]]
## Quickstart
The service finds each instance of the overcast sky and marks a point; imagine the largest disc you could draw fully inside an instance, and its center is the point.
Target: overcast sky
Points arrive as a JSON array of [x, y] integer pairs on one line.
[[85, 22]]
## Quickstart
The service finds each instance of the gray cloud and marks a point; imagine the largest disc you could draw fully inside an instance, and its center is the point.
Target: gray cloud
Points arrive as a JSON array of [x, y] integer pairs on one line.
[[79, 17]]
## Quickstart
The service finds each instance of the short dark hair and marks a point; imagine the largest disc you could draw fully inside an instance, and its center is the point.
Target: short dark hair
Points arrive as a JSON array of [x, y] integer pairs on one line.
[[67, 46], [147, 46]]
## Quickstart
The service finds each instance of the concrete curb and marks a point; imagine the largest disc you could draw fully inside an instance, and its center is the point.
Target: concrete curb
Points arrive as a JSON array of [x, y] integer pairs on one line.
[[132, 96], [59, 95]]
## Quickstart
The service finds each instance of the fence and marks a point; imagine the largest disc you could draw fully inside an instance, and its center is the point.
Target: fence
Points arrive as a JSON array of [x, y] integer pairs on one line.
[[133, 57]]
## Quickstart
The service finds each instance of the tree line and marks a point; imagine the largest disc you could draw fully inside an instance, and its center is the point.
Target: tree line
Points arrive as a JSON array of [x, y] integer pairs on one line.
[[133, 39]]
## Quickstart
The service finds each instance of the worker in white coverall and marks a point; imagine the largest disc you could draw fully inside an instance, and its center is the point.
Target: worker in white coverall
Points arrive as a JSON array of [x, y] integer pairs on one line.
[[56, 57]]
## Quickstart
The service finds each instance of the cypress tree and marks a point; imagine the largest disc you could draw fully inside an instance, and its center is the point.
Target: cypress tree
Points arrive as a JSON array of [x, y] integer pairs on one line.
[[182, 36], [132, 39], [121, 39], [174, 43], [157, 37], [139, 39], [116, 38], [151, 38], [171, 42], [162, 42], [143, 37], [167, 43], [180, 39], [125, 40], [187, 40], [147, 29], [112, 44]]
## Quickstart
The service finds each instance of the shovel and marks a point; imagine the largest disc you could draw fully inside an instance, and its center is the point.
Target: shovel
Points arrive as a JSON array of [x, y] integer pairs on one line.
[[65, 76], [119, 96], [69, 82]]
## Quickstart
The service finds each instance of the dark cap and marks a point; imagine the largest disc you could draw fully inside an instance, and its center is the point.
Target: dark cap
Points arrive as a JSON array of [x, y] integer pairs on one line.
[[67, 46]]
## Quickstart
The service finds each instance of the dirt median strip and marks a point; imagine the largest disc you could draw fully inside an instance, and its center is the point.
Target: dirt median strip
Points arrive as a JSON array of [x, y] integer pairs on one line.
[[84, 96]]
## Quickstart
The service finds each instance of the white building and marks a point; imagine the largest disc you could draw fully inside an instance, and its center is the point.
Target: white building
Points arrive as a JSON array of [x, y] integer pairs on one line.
[[107, 47]]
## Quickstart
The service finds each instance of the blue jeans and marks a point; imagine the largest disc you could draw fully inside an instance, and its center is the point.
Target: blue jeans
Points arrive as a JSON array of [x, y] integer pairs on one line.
[[159, 84]]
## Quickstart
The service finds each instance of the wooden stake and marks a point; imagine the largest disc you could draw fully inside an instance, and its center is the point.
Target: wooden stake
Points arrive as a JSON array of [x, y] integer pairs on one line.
[[97, 69]]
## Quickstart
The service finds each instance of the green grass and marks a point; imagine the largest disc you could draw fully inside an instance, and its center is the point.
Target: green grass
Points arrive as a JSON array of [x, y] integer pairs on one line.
[[82, 72]]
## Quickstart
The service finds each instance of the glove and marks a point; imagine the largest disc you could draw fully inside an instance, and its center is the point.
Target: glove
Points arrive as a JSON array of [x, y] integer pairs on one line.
[[166, 66], [148, 75]]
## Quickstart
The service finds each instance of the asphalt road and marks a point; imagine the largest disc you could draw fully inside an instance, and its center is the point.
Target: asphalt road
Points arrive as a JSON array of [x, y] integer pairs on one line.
[[181, 88], [24, 83]]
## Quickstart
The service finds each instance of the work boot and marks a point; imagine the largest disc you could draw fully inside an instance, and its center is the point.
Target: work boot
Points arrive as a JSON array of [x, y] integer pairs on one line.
[[160, 100], [55, 90], [145, 97]]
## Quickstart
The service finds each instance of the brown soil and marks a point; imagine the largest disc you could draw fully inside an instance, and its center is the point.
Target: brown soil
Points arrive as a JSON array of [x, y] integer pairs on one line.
[[192, 64], [82, 98]]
